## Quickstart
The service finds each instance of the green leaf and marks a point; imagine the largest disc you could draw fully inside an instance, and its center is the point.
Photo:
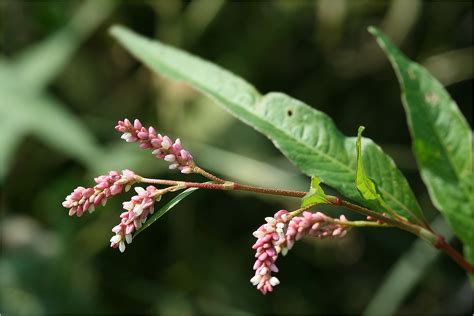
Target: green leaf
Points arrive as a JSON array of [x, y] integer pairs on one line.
[[47, 119], [442, 142], [40, 64], [162, 211], [307, 137], [364, 184], [367, 188], [26, 109], [11, 135], [315, 195]]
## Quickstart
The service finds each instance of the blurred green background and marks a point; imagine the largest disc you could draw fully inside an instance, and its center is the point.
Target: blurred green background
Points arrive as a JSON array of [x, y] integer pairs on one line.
[[64, 82]]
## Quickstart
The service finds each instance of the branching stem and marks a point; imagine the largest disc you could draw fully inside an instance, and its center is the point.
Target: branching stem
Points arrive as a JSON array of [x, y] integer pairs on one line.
[[424, 233]]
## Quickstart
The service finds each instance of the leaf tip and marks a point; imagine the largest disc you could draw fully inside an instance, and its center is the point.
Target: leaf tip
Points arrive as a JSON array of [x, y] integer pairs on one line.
[[116, 29], [373, 30]]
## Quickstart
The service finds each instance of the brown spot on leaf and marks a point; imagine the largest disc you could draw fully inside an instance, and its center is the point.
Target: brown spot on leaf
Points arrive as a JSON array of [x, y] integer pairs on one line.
[[431, 98]]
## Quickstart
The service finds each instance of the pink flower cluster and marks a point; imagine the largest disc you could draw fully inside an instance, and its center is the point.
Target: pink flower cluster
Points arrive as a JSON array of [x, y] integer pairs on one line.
[[279, 235], [137, 211], [87, 199], [269, 238], [163, 147]]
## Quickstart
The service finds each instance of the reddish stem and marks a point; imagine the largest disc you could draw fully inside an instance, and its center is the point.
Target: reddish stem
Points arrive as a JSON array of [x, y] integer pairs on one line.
[[426, 234], [208, 175], [454, 254], [242, 187]]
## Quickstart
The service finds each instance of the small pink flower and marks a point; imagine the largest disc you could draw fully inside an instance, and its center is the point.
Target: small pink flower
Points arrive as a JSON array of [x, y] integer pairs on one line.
[[162, 147], [279, 235], [137, 211], [87, 199]]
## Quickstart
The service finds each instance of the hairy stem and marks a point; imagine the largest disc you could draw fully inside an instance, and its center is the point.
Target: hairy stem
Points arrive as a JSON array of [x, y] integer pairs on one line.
[[208, 175]]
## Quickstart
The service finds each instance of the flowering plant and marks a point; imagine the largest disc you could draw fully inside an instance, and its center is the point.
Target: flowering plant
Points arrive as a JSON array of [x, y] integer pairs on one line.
[[356, 167]]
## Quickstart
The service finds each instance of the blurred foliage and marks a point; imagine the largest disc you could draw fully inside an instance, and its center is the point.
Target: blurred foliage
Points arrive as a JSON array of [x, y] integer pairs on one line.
[[64, 83]]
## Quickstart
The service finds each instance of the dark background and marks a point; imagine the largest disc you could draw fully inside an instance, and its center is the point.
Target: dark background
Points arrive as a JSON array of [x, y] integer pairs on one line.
[[65, 82]]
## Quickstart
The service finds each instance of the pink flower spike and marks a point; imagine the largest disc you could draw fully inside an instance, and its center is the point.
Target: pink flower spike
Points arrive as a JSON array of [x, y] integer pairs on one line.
[[279, 234], [268, 246], [137, 211], [86, 199], [162, 147]]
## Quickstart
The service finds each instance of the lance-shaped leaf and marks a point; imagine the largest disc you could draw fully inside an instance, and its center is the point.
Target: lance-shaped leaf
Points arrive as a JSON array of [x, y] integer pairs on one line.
[[307, 137], [163, 210], [367, 188], [364, 184], [315, 195], [442, 142]]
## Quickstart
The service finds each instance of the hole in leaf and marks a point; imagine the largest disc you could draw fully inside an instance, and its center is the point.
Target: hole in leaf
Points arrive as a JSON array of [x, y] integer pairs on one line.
[[290, 113]]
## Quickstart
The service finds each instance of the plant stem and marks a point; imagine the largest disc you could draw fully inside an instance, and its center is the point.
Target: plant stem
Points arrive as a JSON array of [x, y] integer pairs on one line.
[[454, 254], [226, 185], [361, 224], [425, 234], [241, 187], [208, 175], [168, 189], [300, 210]]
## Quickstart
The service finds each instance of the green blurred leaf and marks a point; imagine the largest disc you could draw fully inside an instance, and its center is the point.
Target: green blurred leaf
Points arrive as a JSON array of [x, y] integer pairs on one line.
[[46, 119], [40, 64], [25, 109], [306, 136], [162, 211], [315, 195], [442, 142], [11, 135]]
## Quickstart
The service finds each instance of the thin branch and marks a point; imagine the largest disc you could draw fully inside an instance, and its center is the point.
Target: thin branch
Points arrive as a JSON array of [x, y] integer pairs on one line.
[[208, 175], [422, 232]]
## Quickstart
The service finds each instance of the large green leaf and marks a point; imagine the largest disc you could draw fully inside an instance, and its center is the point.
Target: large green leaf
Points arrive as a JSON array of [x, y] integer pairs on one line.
[[306, 136], [442, 142]]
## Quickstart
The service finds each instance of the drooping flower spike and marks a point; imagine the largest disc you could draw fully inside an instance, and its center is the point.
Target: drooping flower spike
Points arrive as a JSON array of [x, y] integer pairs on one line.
[[279, 234], [269, 238], [87, 199], [137, 211], [162, 147]]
